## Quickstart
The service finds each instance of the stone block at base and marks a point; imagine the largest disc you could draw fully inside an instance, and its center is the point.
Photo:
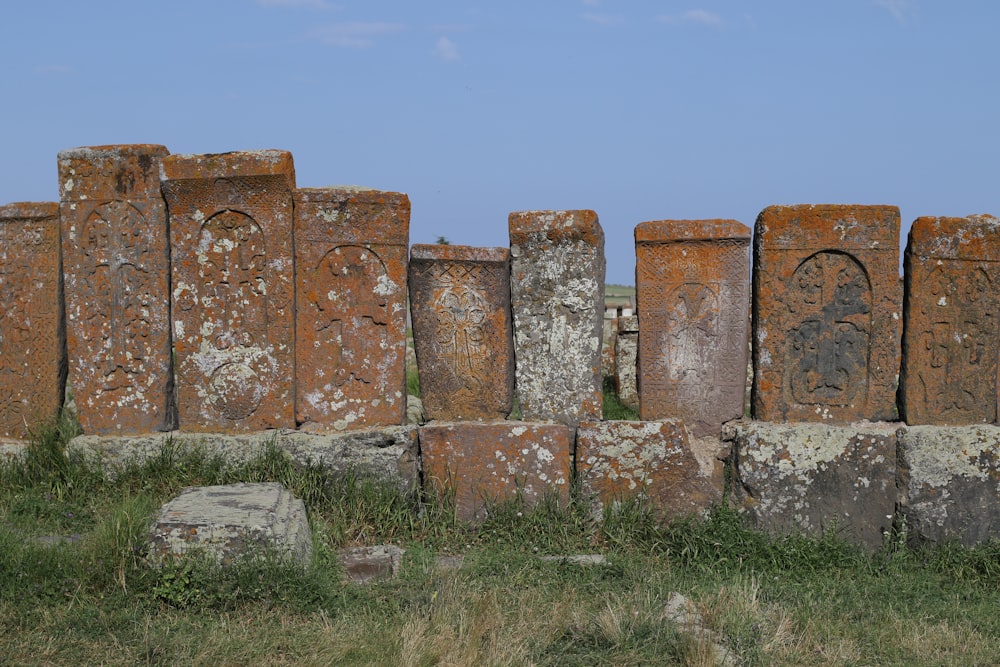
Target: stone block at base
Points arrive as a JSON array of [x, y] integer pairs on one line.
[[230, 523], [479, 464], [813, 478], [950, 479], [617, 460]]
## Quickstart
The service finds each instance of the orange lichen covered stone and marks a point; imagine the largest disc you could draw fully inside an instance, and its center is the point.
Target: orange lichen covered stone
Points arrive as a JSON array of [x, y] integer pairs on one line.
[[950, 344], [482, 463], [460, 305], [692, 296], [116, 264], [557, 299], [233, 291], [32, 366], [826, 295], [623, 460], [350, 261]]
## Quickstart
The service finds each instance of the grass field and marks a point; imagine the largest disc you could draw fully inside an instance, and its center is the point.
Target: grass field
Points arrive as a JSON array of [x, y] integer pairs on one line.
[[75, 589]]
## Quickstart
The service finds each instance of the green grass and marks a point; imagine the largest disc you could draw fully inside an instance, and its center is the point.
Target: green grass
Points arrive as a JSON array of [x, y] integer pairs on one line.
[[90, 598]]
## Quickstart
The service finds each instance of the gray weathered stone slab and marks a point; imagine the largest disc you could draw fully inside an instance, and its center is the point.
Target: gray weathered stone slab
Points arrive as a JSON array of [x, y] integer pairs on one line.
[[950, 479], [363, 564], [812, 478], [557, 297], [232, 522], [626, 354]]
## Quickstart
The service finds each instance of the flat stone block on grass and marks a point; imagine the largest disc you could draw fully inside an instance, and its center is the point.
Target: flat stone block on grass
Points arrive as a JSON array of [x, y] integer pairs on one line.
[[491, 462], [232, 522], [617, 460], [950, 478], [812, 478]]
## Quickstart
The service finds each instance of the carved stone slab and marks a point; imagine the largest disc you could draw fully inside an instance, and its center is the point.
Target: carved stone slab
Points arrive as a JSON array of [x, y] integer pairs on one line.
[[460, 305], [350, 261], [233, 304], [692, 296], [116, 266], [826, 313], [626, 353], [951, 338], [557, 298], [479, 464], [32, 366]]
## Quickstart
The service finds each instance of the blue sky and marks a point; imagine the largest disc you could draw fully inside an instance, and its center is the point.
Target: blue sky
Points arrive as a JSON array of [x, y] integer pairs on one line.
[[640, 110]]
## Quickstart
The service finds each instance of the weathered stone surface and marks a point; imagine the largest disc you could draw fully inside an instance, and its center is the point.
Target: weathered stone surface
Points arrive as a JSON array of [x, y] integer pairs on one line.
[[618, 460], [826, 313], [482, 463], [364, 564], [460, 306], [32, 366], [950, 342], [557, 297], [116, 264], [626, 356], [609, 336], [692, 294], [350, 259], [389, 453], [950, 480], [233, 292], [232, 522], [811, 478]]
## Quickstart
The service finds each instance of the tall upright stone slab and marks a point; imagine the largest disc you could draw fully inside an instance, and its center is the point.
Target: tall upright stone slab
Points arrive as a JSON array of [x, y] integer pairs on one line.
[[557, 298], [32, 365], [350, 260], [951, 338], [826, 313], [460, 305], [233, 292], [116, 265], [626, 354], [692, 294]]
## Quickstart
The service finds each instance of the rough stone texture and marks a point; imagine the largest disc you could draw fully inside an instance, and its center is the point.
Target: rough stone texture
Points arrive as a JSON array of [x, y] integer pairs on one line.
[[618, 460], [232, 522], [364, 564], [950, 313], [32, 365], [478, 464], [116, 265], [233, 292], [350, 340], [389, 454], [692, 285], [812, 478], [557, 298], [950, 480], [609, 337], [626, 356], [460, 306], [826, 313]]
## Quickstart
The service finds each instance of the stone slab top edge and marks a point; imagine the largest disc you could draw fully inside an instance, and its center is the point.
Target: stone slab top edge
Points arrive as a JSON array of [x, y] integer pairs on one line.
[[690, 230], [576, 225], [234, 164], [349, 194], [458, 253], [975, 237], [29, 210], [874, 227], [112, 152]]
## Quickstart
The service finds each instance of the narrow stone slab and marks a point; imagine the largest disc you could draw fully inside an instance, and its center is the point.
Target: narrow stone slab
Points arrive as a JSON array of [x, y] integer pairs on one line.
[[233, 291], [365, 564], [609, 336], [116, 263], [460, 305], [811, 478], [626, 357], [557, 297], [951, 311], [620, 460], [692, 294], [32, 365], [950, 477], [478, 464], [826, 313], [232, 522], [350, 261]]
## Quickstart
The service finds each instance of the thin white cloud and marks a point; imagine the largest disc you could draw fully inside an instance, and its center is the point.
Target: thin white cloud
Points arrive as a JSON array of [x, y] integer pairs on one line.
[[602, 19], [447, 50], [355, 34], [898, 8], [700, 16], [305, 4]]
